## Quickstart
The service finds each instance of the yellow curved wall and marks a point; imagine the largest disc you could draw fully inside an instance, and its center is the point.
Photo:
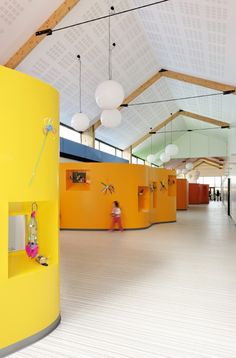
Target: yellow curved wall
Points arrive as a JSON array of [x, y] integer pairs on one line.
[[85, 206], [29, 292]]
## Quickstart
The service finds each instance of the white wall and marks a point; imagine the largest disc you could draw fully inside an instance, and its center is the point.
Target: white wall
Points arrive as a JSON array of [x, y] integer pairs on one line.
[[201, 146], [232, 170]]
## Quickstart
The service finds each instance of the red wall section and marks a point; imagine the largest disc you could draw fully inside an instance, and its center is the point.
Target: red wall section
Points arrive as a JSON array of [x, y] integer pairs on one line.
[[182, 194], [204, 194], [198, 193]]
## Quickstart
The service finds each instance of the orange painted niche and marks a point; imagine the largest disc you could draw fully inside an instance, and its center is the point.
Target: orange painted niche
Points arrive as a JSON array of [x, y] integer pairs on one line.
[[88, 204]]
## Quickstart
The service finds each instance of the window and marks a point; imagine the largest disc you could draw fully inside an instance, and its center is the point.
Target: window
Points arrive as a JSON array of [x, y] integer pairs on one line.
[[217, 182], [201, 180], [107, 148], [97, 144], [119, 153], [141, 161], [134, 160], [211, 181], [104, 147], [70, 134]]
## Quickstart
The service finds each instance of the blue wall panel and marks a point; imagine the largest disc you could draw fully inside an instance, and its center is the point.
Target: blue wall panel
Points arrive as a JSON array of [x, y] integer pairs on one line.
[[73, 149]]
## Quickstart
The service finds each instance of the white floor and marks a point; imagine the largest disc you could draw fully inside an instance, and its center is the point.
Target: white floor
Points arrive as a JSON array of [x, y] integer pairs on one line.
[[165, 292]]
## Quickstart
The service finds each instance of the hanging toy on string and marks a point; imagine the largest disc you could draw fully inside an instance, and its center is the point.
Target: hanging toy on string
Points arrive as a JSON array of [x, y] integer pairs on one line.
[[48, 128], [32, 246]]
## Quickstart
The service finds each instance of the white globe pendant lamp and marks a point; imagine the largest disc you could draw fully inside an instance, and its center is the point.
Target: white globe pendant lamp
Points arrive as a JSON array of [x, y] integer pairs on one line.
[[151, 158], [111, 118], [109, 95], [197, 174], [184, 171], [178, 172], [171, 150], [189, 166], [80, 121], [164, 157]]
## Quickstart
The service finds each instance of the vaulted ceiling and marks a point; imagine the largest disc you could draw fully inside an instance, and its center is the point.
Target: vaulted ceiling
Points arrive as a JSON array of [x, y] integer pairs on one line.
[[195, 37]]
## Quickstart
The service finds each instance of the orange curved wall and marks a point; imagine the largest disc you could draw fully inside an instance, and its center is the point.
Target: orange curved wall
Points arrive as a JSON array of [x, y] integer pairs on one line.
[[85, 206]]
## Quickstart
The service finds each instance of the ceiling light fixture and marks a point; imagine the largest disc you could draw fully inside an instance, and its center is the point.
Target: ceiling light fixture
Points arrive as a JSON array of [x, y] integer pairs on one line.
[[80, 121], [151, 157], [110, 94], [165, 157], [171, 149], [189, 165]]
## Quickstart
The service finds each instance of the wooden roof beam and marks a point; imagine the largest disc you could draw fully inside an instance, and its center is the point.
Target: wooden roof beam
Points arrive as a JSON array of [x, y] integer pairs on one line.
[[33, 41], [197, 81], [157, 128], [186, 114], [206, 119]]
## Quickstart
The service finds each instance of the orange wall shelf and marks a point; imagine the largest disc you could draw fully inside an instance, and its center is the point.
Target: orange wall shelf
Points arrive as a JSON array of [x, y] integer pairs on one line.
[[136, 187]]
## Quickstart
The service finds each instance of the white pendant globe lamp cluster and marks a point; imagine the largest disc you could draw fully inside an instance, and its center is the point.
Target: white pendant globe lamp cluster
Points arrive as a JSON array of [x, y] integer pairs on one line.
[[80, 121], [196, 174], [164, 157], [151, 158], [170, 150], [109, 94], [189, 166]]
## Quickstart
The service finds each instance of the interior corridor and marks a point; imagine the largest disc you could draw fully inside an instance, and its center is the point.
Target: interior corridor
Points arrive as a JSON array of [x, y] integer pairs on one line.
[[165, 292]]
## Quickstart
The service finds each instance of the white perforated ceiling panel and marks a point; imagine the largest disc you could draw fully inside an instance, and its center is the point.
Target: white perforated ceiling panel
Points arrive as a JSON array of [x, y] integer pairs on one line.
[[193, 36], [54, 59], [189, 36], [19, 19]]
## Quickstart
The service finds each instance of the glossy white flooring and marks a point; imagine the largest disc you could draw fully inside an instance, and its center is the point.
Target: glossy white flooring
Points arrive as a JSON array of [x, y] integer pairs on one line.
[[165, 292]]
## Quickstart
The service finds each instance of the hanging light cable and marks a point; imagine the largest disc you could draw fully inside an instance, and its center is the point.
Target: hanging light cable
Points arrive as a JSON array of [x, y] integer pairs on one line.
[[110, 94], [164, 157], [80, 121], [189, 165], [171, 149], [151, 157]]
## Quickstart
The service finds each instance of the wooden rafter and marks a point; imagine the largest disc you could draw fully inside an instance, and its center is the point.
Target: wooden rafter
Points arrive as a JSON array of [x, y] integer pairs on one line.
[[208, 162], [213, 161], [33, 41], [156, 129], [205, 119], [197, 81], [182, 113]]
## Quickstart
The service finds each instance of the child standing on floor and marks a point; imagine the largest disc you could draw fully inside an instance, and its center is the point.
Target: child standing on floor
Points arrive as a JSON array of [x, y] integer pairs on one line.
[[116, 216]]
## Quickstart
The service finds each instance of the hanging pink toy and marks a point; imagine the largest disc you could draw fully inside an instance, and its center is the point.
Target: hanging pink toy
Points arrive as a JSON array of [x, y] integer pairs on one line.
[[32, 246]]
